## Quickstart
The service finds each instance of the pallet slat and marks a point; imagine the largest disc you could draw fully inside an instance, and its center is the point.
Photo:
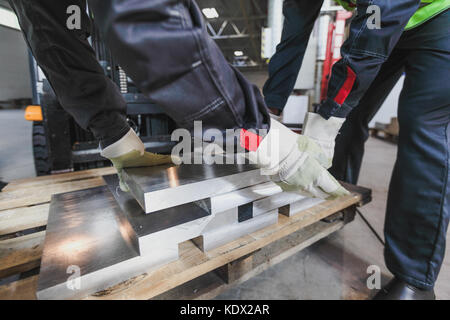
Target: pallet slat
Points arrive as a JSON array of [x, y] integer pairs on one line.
[[57, 178], [21, 254], [23, 289], [19, 219], [38, 195]]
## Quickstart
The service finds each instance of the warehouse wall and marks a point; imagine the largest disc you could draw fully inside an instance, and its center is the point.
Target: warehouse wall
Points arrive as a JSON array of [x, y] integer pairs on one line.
[[389, 108], [14, 70]]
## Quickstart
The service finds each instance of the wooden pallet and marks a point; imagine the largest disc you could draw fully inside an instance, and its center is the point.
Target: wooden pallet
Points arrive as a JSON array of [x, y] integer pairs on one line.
[[388, 132], [23, 215]]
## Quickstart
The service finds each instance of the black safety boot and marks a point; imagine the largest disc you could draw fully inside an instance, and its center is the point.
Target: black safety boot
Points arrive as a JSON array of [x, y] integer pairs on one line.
[[397, 289]]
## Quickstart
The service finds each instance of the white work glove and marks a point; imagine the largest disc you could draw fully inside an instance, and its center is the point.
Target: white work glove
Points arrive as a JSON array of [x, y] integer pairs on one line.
[[296, 163], [129, 152], [323, 132]]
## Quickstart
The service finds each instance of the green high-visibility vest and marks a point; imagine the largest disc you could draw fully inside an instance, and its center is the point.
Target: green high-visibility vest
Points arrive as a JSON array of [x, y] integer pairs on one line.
[[428, 10]]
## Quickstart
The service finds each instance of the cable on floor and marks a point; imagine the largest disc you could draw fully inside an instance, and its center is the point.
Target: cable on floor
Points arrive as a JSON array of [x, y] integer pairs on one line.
[[370, 227]]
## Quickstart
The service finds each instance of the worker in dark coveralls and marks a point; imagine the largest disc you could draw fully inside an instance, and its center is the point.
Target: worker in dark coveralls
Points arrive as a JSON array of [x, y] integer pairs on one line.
[[418, 208], [164, 47]]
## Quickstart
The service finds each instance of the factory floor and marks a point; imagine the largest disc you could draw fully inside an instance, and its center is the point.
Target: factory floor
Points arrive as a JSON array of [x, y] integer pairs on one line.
[[333, 268]]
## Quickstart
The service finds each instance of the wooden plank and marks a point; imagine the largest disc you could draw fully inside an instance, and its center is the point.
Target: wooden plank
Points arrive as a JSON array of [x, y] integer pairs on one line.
[[19, 219], [21, 254], [42, 194], [236, 269], [23, 203], [365, 193], [57, 178], [24, 289]]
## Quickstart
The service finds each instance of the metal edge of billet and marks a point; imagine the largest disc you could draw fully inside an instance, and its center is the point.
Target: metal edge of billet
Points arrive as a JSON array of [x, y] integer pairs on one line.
[[100, 280], [158, 188], [243, 196], [199, 191], [282, 200], [187, 231], [215, 238]]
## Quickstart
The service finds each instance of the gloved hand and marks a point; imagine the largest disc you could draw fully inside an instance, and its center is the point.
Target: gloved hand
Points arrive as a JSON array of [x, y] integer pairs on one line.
[[129, 152], [297, 162], [323, 132]]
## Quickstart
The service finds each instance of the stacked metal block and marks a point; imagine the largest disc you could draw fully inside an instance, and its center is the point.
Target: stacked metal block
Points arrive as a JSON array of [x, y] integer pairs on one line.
[[99, 237]]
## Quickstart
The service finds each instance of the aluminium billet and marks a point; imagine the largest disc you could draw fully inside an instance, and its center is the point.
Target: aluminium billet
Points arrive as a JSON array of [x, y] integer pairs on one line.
[[161, 187], [149, 236], [293, 208]]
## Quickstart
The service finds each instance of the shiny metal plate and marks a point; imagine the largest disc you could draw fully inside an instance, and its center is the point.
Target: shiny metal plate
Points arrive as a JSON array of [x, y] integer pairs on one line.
[[88, 246], [162, 187]]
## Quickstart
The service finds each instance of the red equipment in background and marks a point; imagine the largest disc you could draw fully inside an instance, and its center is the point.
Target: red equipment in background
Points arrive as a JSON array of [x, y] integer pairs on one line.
[[335, 39]]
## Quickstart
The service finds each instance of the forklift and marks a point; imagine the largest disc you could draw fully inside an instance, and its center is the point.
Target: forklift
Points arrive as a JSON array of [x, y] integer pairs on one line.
[[61, 145]]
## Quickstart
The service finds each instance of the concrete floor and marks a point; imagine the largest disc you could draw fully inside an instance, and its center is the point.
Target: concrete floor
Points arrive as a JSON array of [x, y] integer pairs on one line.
[[333, 268]]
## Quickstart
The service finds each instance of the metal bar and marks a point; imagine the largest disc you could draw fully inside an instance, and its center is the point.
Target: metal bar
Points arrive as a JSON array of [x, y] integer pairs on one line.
[[214, 238], [158, 188], [297, 203], [243, 196], [211, 29], [293, 208], [222, 27]]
